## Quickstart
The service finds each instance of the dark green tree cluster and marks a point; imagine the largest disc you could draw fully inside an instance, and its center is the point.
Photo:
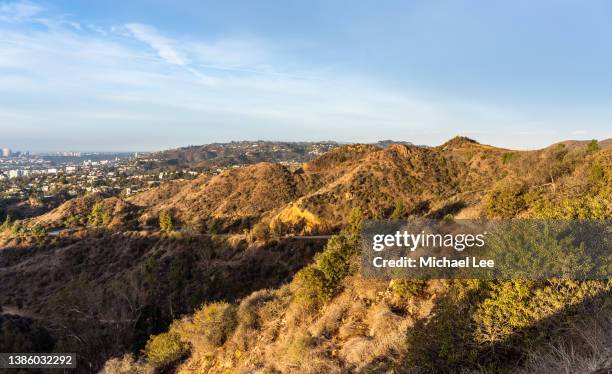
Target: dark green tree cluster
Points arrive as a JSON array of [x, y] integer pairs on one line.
[[99, 215], [319, 282], [165, 221]]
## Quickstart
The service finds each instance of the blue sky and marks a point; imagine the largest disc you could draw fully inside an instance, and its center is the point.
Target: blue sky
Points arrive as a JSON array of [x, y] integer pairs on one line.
[[146, 75]]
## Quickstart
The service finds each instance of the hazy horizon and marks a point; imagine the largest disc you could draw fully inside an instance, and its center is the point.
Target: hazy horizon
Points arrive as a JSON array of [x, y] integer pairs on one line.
[[153, 75], [127, 150]]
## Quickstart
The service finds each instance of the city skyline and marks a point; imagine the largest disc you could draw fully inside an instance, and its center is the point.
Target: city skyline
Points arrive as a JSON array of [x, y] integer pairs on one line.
[[149, 76]]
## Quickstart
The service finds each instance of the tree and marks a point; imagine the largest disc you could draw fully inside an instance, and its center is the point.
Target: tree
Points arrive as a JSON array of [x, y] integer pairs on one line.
[[96, 217], [353, 231], [593, 146], [165, 221]]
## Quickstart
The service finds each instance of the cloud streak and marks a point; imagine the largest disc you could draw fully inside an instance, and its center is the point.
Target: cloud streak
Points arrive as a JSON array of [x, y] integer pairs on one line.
[[159, 43], [18, 11]]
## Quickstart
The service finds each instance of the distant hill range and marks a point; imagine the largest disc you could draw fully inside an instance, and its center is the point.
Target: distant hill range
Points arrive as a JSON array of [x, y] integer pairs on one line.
[[217, 155], [452, 178], [242, 152]]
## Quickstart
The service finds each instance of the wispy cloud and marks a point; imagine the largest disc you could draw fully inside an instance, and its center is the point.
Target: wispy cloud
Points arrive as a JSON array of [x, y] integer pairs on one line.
[[159, 43], [86, 81], [18, 11]]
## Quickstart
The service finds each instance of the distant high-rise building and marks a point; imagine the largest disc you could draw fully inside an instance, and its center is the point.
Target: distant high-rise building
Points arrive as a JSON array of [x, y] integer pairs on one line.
[[6, 152]]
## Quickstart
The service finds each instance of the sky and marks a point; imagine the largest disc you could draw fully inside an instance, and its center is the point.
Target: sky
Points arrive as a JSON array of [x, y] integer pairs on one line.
[[147, 75]]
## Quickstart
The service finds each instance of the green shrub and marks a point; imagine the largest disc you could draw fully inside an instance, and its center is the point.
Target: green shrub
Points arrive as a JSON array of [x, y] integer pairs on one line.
[[165, 221], [72, 221], [506, 199], [335, 260], [319, 282], [593, 147], [406, 288], [165, 349], [595, 205], [38, 230], [513, 306], [528, 249], [99, 215], [210, 326], [495, 324], [444, 343], [312, 287]]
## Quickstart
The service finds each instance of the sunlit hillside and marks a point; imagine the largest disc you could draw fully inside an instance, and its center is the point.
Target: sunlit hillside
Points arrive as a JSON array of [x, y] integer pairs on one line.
[[237, 273]]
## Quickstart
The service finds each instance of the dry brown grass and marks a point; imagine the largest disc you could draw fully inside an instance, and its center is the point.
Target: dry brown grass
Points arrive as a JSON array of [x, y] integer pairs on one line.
[[126, 365], [585, 348]]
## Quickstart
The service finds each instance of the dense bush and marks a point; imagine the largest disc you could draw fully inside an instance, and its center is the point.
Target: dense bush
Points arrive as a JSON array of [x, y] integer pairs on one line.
[[165, 349], [312, 287], [210, 326], [534, 249], [512, 306], [597, 205], [407, 288], [248, 313], [506, 199], [495, 324]]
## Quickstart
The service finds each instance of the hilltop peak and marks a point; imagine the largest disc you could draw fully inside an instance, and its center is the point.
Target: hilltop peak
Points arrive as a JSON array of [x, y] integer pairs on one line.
[[459, 141]]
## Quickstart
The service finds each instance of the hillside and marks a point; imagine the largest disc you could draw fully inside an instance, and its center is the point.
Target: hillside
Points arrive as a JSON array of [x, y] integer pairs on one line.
[[241, 153], [226, 273], [359, 325]]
